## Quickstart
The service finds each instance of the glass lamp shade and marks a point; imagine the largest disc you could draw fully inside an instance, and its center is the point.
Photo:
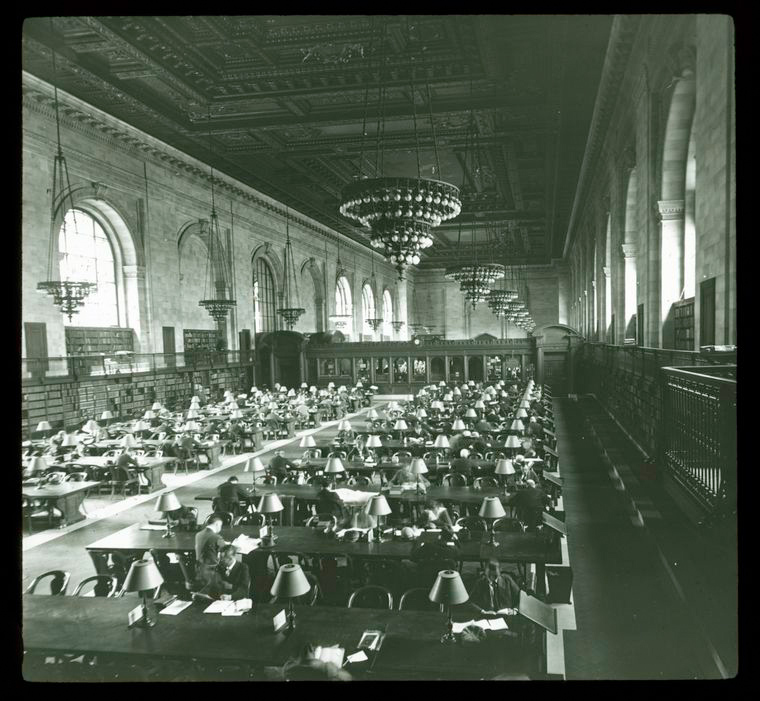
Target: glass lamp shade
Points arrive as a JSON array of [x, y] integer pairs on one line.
[[143, 575], [458, 425], [441, 384], [504, 466], [192, 426], [228, 393], [334, 465], [479, 404], [374, 442], [436, 404], [471, 383], [521, 414], [270, 504], [471, 413], [400, 425], [418, 466], [283, 389], [344, 425], [168, 502], [374, 388], [307, 442], [448, 397], [290, 582], [150, 414], [422, 392], [512, 442], [254, 465], [330, 385], [517, 425], [128, 441], [44, 426], [491, 508], [69, 441], [106, 415], [254, 390], [421, 414], [448, 589], [378, 506], [441, 441], [195, 398], [372, 415], [91, 426]]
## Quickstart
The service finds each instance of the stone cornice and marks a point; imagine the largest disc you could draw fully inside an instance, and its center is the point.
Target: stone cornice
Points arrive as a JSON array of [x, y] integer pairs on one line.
[[668, 210], [628, 249]]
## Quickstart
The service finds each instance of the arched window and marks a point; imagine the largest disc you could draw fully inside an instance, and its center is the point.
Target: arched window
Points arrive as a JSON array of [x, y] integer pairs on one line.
[[343, 304], [387, 314], [368, 309], [86, 253], [264, 298], [690, 231]]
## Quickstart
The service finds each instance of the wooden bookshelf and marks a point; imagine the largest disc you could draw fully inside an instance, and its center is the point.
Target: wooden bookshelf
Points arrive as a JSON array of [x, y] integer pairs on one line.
[[683, 317]]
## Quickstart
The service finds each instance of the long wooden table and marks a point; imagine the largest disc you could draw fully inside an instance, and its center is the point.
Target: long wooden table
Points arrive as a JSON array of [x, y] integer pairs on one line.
[[67, 497], [411, 649], [152, 468]]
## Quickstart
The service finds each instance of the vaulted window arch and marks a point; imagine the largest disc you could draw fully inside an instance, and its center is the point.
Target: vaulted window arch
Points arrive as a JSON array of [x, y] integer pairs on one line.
[[368, 309], [86, 252], [387, 314], [264, 297]]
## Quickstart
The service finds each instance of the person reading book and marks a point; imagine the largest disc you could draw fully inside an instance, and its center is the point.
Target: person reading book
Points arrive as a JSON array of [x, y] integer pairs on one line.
[[495, 590], [230, 579]]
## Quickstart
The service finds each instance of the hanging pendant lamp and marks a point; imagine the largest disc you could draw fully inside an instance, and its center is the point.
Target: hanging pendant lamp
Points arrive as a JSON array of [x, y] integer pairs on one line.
[[290, 312]]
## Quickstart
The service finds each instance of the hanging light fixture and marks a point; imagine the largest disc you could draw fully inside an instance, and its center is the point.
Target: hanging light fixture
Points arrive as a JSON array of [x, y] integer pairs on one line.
[[340, 321], [291, 312], [67, 294], [375, 322], [400, 212], [219, 302]]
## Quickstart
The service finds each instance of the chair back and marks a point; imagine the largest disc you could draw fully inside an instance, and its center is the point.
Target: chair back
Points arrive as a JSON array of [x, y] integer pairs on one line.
[[76, 477], [472, 523], [485, 483], [59, 580], [269, 479], [255, 519], [402, 454], [371, 596], [104, 585], [508, 524], [121, 474], [337, 454], [454, 479], [313, 453], [225, 515], [359, 481], [417, 599], [317, 519]]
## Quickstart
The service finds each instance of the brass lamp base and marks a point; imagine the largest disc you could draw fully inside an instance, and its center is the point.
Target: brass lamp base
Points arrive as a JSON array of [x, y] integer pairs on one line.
[[448, 638]]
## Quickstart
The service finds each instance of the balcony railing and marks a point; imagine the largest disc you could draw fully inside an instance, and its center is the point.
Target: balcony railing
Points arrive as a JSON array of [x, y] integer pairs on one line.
[[80, 367]]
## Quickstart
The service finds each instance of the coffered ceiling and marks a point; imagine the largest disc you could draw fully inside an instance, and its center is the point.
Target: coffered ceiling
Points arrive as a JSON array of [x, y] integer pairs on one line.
[[299, 106]]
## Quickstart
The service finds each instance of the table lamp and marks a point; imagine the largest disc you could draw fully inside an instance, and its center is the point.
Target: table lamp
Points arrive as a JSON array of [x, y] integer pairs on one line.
[[233, 405], [43, 427], [141, 426], [192, 413], [192, 426], [504, 466], [149, 415], [400, 426], [418, 467], [517, 425], [471, 413], [344, 425], [307, 442], [289, 583], [39, 464], [493, 509], [378, 506], [168, 502], [521, 413], [525, 404], [448, 590], [106, 416], [156, 406], [254, 465], [91, 426], [421, 413], [457, 392], [143, 576], [479, 404], [441, 442], [334, 465], [304, 385], [458, 425], [441, 384], [312, 389], [373, 441], [372, 415], [270, 504], [69, 441]]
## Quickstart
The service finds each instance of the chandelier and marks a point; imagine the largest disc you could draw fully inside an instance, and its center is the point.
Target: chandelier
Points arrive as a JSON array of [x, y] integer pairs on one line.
[[498, 301], [290, 314], [218, 305], [400, 212], [475, 280], [67, 294]]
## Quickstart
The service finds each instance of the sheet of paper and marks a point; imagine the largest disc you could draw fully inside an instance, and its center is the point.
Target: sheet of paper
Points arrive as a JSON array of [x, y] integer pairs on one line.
[[459, 627], [152, 527], [357, 657], [175, 607], [232, 610], [279, 620], [217, 607], [331, 654], [245, 544], [497, 624]]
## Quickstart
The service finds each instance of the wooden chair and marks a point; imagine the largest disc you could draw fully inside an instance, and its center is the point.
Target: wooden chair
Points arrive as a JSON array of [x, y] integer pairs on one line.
[[508, 524], [454, 479], [485, 483], [254, 519], [104, 585], [59, 580], [417, 599], [359, 481], [122, 478], [371, 596], [225, 515]]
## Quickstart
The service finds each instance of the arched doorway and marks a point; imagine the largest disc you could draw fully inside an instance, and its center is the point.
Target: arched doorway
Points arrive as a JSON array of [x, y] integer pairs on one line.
[[279, 358], [555, 348]]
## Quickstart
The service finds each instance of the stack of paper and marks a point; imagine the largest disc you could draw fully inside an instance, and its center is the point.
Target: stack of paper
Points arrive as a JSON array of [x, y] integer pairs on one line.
[[230, 608], [332, 654], [357, 657], [175, 607], [484, 624], [246, 544]]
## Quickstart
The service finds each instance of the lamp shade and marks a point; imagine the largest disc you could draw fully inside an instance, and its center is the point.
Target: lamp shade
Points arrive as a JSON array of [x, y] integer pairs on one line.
[[378, 506], [39, 464], [360, 385], [421, 414], [441, 441], [448, 397], [91, 426], [150, 414], [304, 385], [441, 384], [400, 425], [458, 425], [283, 389], [491, 508], [374, 441], [448, 589], [168, 502], [106, 415], [436, 404], [334, 465], [69, 441], [521, 413], [504, 466], [525, 404], [128, 441], [418, 466], [227, 393], [512, 442], [156, 406], [479, 404], [457, 392], [143, 575], [372, 415], [517, 425], [254, 390], [192, 413], [141, 426], [290, 582], [195, 398], [471, 383], [344, 425], [44, 426], [233, 405], [270, 504], [236, 414], [471, 413], [254, 465], [192, 426], [308, 442]]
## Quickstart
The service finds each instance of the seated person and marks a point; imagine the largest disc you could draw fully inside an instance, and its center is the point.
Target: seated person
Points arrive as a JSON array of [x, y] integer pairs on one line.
[[436, 515], [230, 579], [231, 494], [405, 476], [363, 519], [529, 503], [279, 465], [531, 453], [483, 426], [208, 545], [526, 471], [495, 590], [187, 443], [308, 667], [534, 428], [126, 460], [420, 430], [462, 464], [328, 502]]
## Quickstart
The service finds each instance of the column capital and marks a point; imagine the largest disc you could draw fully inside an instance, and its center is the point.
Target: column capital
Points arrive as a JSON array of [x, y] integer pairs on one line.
[[607, 271], [629, 250], [133, 271], [670, 209], [593, 284]]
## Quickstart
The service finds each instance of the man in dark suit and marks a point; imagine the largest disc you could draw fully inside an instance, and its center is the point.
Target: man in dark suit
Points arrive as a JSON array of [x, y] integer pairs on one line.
[[495, 590], [230, 579], [279, 465], [126, 460], [530, 502], [231, 494], [328, 502], [208, 544], [462, 464]]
